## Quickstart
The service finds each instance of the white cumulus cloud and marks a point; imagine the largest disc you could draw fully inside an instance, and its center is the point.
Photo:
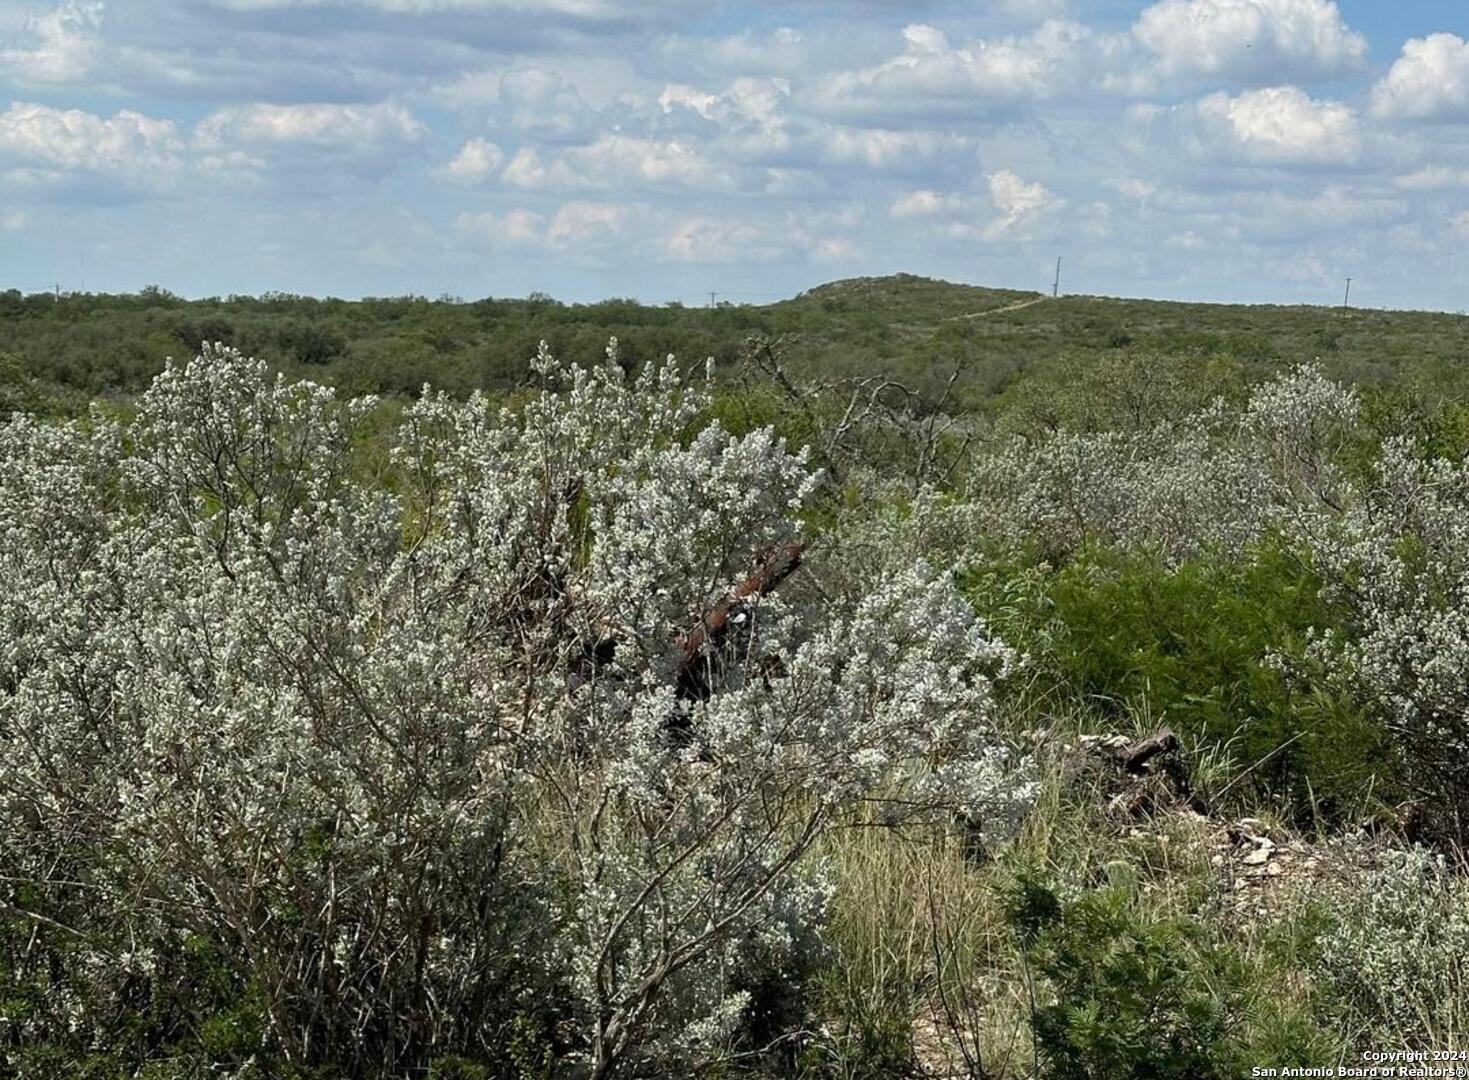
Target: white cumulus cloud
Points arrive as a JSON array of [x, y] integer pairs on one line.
[[933, 76], [49, 143], [341, 127], [617, 160], [1250, 39], [1430, 81], [63, 44], [575, 226], [1282, 125], [1019, 201], [321, 144], [879, 148], [586, 222], [476, 162]]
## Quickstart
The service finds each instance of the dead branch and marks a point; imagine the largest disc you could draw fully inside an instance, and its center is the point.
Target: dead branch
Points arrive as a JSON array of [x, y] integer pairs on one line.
[[710, 633]]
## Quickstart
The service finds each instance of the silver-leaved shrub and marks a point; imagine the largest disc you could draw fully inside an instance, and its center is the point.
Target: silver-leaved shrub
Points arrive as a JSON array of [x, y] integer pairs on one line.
[[1397, 559], [1394, 962], [1214, 480], [517, 724]]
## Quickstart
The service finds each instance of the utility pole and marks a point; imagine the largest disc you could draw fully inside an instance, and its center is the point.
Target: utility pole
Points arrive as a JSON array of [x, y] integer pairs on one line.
[[711, 300], [1056, 285], [1347, 299]]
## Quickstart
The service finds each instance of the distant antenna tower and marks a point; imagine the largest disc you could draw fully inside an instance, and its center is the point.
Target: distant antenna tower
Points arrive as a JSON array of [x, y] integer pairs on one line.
[[712, 295], [1056, 285], [1347, 299]]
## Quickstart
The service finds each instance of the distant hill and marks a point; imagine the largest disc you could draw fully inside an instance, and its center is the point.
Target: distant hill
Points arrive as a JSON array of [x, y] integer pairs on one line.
[[906, 326]]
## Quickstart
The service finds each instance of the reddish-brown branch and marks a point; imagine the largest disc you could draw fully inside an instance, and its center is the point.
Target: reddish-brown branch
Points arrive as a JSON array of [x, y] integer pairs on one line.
[[775, 568]]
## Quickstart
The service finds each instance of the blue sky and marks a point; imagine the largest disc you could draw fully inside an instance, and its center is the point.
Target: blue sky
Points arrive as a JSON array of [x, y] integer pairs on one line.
[[1258, 150]]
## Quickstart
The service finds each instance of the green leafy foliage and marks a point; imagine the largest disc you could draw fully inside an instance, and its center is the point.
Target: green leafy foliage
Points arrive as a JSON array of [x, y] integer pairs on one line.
[[1213, 647], [1126, 994], [1087, 359]]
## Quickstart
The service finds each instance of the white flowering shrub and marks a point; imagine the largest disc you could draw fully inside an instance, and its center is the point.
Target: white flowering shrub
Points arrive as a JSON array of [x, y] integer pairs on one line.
[[1217, 479], [1397, 560], [1297, 427], [1395, 958], [527, 734]]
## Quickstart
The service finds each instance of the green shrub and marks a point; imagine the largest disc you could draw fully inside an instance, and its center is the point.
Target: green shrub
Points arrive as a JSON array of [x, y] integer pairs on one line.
[[1199, 647], [1123, 993]]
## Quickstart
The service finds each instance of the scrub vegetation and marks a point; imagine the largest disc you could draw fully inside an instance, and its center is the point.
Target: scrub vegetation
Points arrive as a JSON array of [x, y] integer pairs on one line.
[[935, 682]]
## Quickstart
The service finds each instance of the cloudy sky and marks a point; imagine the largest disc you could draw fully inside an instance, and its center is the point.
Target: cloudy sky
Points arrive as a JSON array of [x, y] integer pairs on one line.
[[1202, 149]]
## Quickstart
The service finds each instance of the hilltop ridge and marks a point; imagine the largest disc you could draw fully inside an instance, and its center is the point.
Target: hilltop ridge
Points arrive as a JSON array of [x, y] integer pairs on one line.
[[902, 324]]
